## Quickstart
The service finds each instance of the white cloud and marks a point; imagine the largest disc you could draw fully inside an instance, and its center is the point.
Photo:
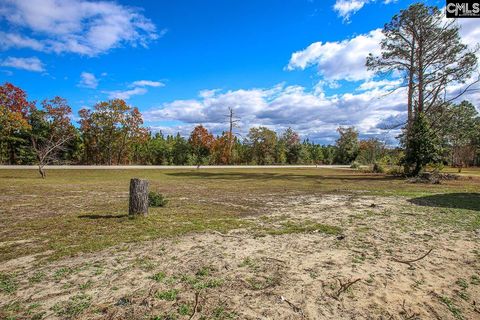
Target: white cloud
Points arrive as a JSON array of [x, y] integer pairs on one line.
[[138, 88], [9, 40], [469, 31], [88, 80], [29, 64], [346, 8], [377, 84], [147, 83], [76, 26], [125, 94], [339, 60]]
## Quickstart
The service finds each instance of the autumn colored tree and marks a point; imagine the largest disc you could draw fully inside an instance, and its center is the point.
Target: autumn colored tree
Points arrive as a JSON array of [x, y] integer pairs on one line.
[[370, 150], [224, 149], [14, 109], [51, 130], [202, 143], [110, 130]]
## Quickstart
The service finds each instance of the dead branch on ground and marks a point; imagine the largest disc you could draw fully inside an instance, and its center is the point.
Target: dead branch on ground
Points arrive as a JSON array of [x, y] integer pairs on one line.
[[343, 287], [195, 307], [409, 262]]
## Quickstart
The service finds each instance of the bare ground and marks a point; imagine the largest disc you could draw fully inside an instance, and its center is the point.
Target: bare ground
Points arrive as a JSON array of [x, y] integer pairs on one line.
[[249, 274]]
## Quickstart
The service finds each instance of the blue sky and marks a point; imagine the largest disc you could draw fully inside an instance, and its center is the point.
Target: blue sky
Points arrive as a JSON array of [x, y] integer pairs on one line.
[[295, 63]]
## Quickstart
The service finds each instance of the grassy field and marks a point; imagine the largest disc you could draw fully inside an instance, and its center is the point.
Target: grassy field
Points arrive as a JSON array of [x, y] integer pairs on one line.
[[73, 214]]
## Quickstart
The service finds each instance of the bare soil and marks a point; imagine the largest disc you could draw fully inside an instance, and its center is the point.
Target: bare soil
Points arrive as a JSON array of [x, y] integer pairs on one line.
[[250, 274]]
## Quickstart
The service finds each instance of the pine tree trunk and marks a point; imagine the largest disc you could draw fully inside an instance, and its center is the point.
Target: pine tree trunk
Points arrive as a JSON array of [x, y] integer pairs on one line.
[[138, 203]]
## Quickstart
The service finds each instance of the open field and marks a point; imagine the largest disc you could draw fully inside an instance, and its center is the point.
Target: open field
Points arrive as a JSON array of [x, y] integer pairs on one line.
[[266, 243]]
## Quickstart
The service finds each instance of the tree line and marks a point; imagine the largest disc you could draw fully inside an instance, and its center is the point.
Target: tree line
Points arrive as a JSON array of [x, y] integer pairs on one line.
[[112, 133]]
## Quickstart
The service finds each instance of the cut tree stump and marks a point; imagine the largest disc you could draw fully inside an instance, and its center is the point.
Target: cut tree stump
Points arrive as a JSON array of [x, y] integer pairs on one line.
[[138, 202]]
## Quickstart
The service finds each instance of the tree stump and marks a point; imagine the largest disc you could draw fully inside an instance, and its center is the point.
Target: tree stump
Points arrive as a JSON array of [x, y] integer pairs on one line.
[[138, 202]]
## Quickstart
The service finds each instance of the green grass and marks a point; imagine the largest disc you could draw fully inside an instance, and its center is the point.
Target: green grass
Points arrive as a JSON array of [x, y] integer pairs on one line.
[[456, 312], [8, 283], [168, 295], [159, 276], [73, 307], [37, 277], [75, 211]]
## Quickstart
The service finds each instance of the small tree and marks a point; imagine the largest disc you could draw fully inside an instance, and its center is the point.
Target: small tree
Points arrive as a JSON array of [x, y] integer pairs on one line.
[[51, 130], [421, 145], [262, 142], [347, 145], [202, 143], [291, 139]]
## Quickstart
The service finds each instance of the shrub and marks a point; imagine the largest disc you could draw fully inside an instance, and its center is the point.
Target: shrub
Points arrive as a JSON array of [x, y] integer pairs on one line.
[[378, 168], [156, 199], [355, 165], [396, 171]]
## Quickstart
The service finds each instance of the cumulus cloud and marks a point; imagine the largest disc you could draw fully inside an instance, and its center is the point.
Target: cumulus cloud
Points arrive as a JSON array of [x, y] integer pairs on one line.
[[88, 80], [339, 60], [29, 64], [75, 26]]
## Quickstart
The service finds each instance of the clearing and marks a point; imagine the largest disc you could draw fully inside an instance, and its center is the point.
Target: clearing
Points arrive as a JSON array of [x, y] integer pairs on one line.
[[264, 243]]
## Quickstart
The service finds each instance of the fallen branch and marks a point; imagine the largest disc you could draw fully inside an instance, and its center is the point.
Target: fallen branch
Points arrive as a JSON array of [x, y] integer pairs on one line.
[[344, 287], [294, 307], [409, 262], [195, 307]]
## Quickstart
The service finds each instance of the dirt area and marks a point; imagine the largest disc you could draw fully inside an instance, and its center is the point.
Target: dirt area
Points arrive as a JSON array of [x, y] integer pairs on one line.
[[272, 271]]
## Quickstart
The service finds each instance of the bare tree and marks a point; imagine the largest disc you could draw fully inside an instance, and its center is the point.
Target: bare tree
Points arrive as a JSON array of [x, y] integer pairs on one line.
[[51, 131], [232, 124]]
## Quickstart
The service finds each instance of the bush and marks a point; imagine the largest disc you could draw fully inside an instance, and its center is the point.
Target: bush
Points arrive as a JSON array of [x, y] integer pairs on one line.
[[396, 171], [378, 168], [355, 165], [156, 199]]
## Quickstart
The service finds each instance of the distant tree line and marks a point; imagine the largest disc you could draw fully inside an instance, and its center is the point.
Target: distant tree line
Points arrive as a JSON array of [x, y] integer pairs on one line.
[[112, 133]]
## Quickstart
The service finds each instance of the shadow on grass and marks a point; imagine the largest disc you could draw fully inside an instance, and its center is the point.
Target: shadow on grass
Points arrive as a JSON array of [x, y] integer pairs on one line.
[[103, 216], [277, 176], [469, 201]]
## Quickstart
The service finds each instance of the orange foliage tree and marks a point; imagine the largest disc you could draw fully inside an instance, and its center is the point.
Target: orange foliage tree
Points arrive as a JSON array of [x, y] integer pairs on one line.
[[14, 109], [202, 143], [110, 130]]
